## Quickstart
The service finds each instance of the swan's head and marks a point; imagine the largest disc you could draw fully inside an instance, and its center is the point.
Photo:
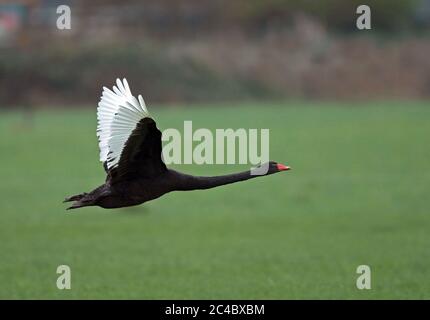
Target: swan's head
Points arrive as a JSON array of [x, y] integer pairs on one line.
[[270, 168]]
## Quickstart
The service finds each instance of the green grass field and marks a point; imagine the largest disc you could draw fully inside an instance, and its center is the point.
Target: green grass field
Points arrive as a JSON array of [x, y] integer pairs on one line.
[[358, 194]]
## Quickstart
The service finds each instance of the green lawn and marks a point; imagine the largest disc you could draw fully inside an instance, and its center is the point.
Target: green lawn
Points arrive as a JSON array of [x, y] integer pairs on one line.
[[358, 194]]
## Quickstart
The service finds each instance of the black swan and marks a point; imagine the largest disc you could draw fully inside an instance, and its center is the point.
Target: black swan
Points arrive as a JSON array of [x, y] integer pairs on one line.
[[130, 149]]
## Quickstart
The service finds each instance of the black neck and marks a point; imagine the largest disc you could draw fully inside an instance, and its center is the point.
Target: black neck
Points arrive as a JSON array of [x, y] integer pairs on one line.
[[189, 182]]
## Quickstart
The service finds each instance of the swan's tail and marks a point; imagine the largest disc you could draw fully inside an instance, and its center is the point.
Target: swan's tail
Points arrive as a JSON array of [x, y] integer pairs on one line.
[[76, 197], [80, 200]]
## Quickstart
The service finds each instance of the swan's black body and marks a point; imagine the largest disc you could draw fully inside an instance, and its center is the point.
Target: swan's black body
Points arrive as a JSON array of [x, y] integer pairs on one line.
[[141, 174], [139, 190]]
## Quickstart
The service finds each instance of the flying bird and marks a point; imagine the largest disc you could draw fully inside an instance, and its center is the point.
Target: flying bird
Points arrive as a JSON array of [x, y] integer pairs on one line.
[[130, 150]]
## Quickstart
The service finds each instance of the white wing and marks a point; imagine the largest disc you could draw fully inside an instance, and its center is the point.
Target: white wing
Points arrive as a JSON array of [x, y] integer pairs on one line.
[[117, 116]]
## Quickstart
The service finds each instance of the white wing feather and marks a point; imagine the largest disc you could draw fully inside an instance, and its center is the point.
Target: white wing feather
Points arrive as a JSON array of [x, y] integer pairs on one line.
[[118, 114]]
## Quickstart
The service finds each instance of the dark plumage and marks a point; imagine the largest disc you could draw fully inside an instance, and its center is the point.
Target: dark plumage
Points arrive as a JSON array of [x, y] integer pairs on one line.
[[139, 173]]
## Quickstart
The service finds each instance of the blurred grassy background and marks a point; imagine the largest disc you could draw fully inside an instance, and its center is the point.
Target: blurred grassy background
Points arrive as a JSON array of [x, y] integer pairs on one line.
[[357, 194]]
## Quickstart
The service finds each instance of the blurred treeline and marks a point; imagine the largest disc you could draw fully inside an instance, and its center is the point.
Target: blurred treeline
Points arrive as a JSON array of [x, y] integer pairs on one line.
[[338, 15], [205, 50]]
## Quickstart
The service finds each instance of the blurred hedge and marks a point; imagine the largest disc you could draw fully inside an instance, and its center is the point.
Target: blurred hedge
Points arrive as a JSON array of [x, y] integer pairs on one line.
[[69, 75], [225, 50], [387, 15]]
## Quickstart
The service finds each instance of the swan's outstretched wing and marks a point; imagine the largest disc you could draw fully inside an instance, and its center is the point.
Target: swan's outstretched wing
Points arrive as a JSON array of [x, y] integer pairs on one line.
[[129, 141]]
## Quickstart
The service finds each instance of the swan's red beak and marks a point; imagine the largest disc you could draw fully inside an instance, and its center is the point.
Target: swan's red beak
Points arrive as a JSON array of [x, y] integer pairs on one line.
[[281, 167]]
